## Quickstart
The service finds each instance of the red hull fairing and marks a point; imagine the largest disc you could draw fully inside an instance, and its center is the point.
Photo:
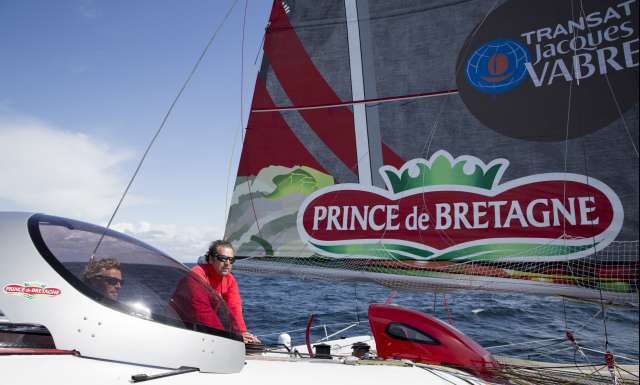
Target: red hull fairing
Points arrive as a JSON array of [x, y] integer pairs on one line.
[[403, 333]]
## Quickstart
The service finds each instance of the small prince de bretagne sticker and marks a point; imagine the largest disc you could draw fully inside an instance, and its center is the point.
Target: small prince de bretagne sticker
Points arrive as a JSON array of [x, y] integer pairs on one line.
[[31, 290]]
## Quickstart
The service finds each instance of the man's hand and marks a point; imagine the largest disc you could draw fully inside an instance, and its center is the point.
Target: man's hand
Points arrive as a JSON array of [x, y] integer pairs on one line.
[[250, 338]]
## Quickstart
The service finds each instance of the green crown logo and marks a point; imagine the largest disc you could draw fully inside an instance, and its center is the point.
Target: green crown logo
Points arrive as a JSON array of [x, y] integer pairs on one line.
[[443, 169]]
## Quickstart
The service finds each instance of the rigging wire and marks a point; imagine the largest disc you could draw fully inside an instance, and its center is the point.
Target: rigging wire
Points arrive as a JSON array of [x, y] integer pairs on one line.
[[584, 324], [616, 355], [566, 138], [244, 22], [248, 181], [613, 95], [566, 149], [628, 372], [255, 61], [608, 356], [570, 336], [604, 322], [241, 131], [427, 146], [565, 166], [564, 311], [553, 375], [559, 339], [253, 209], [162, 124], [312, 327], [446, 306], [267, 25], [355, 295]]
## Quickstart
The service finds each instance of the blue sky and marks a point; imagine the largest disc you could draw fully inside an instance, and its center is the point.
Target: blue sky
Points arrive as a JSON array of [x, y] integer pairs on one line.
[[84, 86]]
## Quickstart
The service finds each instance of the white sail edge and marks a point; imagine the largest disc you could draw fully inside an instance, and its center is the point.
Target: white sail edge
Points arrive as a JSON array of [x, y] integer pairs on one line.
[[357, 90]]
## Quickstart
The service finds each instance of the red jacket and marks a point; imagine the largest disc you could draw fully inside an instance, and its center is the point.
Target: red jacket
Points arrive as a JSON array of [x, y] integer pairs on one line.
[[227, 287]]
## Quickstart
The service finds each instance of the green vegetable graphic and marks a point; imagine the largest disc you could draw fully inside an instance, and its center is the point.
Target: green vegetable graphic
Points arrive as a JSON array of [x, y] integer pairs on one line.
[[302, 180]]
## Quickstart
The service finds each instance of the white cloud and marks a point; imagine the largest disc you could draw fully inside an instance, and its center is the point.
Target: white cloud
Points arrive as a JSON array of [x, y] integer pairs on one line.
[[184, 243], [50, 170]]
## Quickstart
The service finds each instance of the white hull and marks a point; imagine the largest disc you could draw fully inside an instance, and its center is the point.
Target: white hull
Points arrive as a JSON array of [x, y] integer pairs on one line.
[[72, 370]]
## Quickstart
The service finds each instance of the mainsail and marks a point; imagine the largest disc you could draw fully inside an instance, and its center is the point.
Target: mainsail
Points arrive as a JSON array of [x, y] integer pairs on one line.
[[446, 144]]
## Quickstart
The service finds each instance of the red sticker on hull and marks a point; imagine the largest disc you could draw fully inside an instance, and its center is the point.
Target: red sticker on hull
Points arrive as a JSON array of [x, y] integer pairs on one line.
[[31, 290]]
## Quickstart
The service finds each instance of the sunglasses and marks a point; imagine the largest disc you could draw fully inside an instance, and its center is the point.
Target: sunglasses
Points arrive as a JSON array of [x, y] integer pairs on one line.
[[110, 280], [224, 258]]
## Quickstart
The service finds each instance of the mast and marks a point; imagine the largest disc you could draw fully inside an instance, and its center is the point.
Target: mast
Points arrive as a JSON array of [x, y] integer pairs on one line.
[[365, 117], [357, 89]]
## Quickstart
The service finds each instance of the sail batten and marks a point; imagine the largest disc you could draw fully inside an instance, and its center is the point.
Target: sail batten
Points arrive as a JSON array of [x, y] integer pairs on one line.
[[360, 101]]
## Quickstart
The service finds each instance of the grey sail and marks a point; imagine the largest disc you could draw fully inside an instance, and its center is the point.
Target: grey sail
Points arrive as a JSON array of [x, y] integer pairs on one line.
[[446, 144]]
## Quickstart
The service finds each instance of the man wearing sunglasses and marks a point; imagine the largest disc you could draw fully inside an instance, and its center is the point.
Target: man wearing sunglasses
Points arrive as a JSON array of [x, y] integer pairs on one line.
[[217, 272], [104, 276]]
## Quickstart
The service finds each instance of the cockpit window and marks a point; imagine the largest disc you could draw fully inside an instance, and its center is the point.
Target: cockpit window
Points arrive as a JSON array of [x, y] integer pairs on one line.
[[407, 333], [130, 276]]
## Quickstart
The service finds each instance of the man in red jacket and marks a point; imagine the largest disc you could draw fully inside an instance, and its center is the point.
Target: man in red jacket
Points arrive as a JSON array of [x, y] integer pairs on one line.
[[217, 272]]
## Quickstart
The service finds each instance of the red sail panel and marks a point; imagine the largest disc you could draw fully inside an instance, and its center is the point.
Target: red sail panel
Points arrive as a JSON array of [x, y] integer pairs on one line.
[[305, 85], [389, 157], [270, 141]]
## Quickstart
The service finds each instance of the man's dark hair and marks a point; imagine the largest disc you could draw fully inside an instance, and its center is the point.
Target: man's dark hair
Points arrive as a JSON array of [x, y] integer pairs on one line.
[[213, 248], [97, 266]]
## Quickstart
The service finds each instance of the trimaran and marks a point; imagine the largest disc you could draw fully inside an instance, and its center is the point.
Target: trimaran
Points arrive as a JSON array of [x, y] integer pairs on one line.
[[439, 145]]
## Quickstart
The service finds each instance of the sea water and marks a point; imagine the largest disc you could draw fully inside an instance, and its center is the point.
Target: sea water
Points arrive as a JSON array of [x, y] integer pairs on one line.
[[275, 303]]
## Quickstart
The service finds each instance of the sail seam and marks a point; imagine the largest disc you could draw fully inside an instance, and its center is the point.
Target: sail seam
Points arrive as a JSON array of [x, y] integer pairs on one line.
[[357, 102]]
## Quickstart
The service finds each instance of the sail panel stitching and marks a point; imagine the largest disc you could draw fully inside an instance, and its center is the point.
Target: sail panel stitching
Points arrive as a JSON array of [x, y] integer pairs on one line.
[[357, 102]]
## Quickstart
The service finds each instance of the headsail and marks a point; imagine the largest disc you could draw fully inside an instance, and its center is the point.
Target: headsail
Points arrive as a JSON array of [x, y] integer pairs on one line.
[[446, 145]]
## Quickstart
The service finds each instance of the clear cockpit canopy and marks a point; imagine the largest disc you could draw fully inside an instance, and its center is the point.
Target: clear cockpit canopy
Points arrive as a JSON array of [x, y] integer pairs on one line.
[[130, 276]]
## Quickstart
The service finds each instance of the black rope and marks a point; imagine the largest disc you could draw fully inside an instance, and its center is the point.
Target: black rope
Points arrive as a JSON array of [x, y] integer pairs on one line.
[[244, 22], [552, 375], [626, 371], [355, 293], [564, 311], [560, 367]]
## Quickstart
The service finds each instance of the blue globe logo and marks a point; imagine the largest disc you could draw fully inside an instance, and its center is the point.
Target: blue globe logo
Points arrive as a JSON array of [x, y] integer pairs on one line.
[[497, 66]]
